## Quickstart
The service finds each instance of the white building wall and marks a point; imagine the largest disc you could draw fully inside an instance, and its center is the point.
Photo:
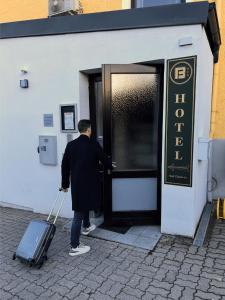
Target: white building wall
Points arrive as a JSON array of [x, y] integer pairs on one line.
[[203, 115], [182, 206], [53, 64]]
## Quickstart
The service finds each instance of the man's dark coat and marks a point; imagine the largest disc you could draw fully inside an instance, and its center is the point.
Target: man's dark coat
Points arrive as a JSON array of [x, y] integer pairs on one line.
[[80, 167]]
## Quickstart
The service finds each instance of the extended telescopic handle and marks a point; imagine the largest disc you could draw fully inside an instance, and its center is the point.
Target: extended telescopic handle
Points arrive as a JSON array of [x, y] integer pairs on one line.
[[54, 205]]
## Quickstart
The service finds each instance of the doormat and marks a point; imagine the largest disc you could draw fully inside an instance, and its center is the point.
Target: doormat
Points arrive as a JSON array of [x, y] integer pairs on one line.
[[118, 229]]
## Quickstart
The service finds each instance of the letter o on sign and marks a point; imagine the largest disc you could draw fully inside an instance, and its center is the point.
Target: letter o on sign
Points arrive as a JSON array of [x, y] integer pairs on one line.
[[179, 113]]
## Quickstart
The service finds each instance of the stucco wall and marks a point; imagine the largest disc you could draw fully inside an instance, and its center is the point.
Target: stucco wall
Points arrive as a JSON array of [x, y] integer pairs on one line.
[[17, 10], [218, 107], [101, 5]]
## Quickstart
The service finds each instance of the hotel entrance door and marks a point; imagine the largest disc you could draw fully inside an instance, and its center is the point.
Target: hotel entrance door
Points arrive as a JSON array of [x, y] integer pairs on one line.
[[132, 136]]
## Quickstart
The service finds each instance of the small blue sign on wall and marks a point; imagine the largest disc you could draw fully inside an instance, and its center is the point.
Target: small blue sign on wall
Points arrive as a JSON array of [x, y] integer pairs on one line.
[[48, 120]]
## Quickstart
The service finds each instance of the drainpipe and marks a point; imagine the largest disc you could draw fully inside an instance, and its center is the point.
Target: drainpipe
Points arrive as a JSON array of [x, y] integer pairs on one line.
[[212, 182]]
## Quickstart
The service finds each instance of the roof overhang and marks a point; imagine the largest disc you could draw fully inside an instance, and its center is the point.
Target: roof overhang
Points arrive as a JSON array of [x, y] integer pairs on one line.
[[159, 16]]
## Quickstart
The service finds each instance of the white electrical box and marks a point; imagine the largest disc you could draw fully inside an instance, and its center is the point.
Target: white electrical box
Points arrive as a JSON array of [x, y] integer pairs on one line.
[[47, 150], [203, 149]]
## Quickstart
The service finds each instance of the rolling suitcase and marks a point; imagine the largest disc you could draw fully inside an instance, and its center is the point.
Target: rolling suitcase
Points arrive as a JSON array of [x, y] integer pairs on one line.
[[37, 238]]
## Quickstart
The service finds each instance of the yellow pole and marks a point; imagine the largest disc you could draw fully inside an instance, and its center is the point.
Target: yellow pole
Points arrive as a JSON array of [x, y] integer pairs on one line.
[[218, 209], [224, 208], [215, 92]]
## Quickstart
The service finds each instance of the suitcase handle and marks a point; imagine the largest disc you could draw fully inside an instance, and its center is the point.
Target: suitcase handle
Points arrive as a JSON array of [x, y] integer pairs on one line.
[[54, 205]]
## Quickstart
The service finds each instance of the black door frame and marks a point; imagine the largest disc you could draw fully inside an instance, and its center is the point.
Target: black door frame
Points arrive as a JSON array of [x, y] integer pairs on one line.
[[93, 78], [140, 217]]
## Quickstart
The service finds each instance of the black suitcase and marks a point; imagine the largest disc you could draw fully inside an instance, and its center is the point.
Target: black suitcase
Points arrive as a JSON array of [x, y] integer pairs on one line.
[[37, 238]]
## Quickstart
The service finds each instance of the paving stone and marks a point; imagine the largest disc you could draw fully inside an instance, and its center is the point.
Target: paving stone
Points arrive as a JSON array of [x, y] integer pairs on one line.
[[148, 296], [186, 283], [144, 284], [5, 295], [99, 296], [133, 292], [115, 289], [106, 286], [47, 294], [158, 291], [175, 292], [20, 287], [75, 291], [96, 278], [118, 278], [91, 284], [162, 284], [35, 289], [82, 296], [217, 291], [209, 262], [211, 275], [61, 290], [186, 277], [216, 283], [195, 270], [25, 295], [203, 284], [3, 283], [67, 283], [160, 298], [56, 296], [187, 294], [134, 281], [124, 296], [206, 296], [170, 277]]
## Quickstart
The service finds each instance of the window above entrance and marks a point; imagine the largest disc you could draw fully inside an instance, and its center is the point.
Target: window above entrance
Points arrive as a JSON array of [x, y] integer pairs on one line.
[[148, 3]]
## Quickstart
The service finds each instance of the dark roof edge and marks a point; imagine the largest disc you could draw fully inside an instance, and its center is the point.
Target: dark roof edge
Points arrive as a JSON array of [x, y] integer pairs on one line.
[[158, 16], [213, 31]]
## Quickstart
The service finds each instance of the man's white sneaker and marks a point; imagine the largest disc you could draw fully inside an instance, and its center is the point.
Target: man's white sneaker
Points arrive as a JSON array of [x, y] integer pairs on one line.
[[87, 230], [81, 249]]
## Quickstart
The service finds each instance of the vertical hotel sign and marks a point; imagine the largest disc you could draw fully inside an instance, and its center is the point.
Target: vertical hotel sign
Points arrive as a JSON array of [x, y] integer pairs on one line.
[[180, 109]]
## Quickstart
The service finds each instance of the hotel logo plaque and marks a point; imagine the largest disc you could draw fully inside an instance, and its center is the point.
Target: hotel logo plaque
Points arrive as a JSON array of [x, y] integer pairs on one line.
[[180, 109]]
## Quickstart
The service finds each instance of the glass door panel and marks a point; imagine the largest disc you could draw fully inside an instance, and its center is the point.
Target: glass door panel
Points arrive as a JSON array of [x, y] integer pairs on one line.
[[134, 121]]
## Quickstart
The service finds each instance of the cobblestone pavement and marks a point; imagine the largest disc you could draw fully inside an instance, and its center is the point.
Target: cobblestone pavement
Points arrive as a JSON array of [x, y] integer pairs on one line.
[[174, 270]]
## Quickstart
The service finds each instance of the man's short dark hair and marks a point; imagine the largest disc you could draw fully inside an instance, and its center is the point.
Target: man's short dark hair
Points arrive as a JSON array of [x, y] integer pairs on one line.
[[83, 125]]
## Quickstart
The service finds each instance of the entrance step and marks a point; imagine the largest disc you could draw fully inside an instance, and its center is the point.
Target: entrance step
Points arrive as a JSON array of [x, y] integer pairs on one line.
[[203, 225], [145, 237]]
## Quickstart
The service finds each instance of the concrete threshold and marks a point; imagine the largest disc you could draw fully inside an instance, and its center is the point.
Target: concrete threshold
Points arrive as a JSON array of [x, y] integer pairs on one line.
[[203, 225]]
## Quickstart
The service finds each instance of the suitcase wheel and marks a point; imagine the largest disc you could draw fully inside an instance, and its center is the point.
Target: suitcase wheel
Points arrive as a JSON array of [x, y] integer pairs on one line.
[[41, 264], [14, 256], [30, 263]]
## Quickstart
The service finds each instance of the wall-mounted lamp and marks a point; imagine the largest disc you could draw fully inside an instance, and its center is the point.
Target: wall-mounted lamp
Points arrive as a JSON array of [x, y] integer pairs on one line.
[[24, 70], [24, 84]]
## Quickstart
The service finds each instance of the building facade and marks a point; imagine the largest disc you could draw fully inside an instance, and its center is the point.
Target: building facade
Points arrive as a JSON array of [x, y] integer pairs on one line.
[[140, 97]]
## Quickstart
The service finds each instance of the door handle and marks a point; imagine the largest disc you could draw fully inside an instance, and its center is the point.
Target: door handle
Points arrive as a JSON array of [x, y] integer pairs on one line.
[[114, 164]]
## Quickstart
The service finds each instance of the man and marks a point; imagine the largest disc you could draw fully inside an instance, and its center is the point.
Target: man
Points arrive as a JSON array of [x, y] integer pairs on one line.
[[80, 168]]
